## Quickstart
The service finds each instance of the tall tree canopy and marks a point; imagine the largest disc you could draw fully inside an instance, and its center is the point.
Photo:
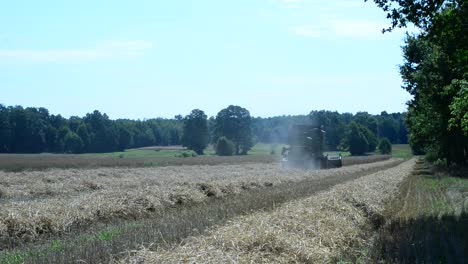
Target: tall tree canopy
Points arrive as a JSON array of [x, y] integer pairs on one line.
[[356, 139], [195, 136], [234, 123], [435, 73]]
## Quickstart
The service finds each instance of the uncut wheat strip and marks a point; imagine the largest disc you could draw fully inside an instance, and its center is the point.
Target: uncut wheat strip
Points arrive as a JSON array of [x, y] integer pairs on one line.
[[130, 193], [318, 229]]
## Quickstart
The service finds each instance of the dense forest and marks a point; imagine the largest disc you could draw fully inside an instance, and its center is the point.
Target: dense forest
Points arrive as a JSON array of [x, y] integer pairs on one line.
[[35, 130]]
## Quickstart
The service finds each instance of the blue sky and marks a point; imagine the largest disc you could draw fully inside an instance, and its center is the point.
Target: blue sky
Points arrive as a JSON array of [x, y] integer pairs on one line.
[[144, 59]]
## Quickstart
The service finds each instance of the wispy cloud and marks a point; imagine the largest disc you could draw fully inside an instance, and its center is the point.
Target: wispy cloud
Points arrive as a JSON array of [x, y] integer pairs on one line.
[[101, 51], [341, 28], [330, 19]]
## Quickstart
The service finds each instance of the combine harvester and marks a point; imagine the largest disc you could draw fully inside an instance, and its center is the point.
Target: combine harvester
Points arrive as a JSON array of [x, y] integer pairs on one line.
[[306, 145]]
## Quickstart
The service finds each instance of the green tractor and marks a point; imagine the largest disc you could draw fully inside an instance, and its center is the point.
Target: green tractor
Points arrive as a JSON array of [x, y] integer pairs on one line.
[[306, 146]]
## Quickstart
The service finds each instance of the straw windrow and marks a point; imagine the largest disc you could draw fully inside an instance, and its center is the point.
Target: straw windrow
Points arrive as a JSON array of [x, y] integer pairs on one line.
[[323, 228], [38, 203]]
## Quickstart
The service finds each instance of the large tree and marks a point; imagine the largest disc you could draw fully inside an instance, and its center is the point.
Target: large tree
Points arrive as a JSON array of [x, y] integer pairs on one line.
[[234, 122], [195, 131], [356, 139], [435, 72]]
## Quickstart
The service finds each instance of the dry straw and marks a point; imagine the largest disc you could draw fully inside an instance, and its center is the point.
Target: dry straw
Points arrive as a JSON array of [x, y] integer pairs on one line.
[[320, 229], [56, 200]]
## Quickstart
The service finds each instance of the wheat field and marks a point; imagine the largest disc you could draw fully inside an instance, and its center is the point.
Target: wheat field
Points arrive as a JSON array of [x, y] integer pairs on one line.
[[38, 203], [325, 228]]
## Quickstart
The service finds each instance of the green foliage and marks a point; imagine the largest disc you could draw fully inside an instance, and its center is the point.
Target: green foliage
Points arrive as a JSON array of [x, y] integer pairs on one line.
[[107, 235], [402, 151], [195, 136], [125, 138], [186, 154], [385, 147], [225, 147], [371, 139], [56, 245], [440, 163], [359, 139], [234, 123], [33, 130], [459, 106], [419, 13], [73, 143], [356, 140], [435, 73], [13, 258]]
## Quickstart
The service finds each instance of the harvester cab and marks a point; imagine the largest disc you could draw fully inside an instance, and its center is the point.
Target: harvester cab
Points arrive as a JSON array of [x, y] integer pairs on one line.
[[306, 146]]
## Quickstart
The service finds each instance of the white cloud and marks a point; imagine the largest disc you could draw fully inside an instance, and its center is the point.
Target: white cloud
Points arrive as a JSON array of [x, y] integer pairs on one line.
[[341, 28], [101, 51]]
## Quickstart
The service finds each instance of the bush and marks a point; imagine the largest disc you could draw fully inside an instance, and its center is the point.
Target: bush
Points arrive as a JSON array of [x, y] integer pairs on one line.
[[432, 155], [441, 163], [385, 147], [186, 154], [224, 147]]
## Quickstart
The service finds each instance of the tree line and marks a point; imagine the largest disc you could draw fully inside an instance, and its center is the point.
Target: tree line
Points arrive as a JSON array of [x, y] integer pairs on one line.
[[435, 73], [234, 131], [336, 126], [35, 130]]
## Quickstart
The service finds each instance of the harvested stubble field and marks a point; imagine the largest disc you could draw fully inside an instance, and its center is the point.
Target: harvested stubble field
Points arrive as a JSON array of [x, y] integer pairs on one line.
[[38, 203], [325, 228], [427, 222], [20, 162]]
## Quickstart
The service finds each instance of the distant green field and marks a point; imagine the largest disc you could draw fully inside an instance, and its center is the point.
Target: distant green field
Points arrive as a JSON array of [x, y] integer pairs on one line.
[[138, 153], [258, 149], [399, 151]]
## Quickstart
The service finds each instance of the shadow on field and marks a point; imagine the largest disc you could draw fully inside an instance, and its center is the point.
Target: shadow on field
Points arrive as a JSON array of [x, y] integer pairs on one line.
[[426, 240], [428, 221]]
